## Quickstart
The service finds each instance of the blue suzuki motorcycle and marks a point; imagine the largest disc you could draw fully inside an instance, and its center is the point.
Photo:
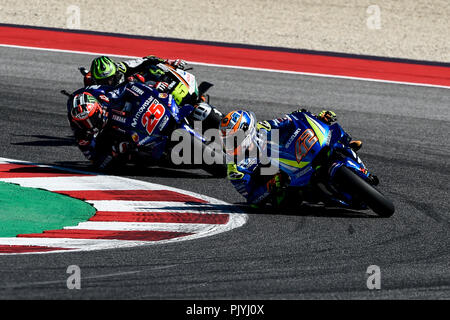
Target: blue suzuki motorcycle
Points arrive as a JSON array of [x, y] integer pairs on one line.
[[317, 160]]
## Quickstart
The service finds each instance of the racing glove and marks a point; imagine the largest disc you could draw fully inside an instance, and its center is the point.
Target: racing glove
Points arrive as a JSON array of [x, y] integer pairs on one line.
[[136, 78], [302, 109], [87, 80], [274, 184], [120, 148], [154, 59], [178, 63], [327, 116], [278, 193], [161, 86], [87, 148]]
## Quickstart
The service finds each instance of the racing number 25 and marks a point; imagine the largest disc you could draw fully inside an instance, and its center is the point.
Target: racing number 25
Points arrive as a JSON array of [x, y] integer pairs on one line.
[[152, 116], [304, 143]]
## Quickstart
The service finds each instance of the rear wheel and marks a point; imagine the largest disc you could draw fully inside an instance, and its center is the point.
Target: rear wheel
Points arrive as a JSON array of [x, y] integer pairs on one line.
[[359, 188]]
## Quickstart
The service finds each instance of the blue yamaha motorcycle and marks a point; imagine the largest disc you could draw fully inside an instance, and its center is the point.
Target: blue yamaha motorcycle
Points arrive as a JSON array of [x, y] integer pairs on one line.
[[317, 161], [147, 120]]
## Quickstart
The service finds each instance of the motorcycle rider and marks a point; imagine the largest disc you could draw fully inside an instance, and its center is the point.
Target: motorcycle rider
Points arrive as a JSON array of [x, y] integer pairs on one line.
[[244, 171], [89, 113], [105, 71], [104, 144]]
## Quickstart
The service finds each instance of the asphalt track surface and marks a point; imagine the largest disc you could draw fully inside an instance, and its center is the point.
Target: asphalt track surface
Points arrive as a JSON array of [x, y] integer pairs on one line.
[[312, 253]]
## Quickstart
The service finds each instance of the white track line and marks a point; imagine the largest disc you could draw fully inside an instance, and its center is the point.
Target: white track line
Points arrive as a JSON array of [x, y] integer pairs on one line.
[[238, 67], [153, 206], [82, 183], [144, 226], [68, 243]]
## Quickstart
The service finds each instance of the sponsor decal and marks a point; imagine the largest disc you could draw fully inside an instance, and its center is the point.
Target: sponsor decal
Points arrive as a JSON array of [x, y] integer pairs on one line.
[[163, 123], [141, 110], [135, 137], [139, 91], [291, 139], [163, 95], [119, 118], [303, 172], [261, 197], [171, 85], [144, 141]]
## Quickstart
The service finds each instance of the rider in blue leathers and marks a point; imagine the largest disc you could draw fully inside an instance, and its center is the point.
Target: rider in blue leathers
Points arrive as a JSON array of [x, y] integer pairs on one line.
[[89, 110], [245, 172]]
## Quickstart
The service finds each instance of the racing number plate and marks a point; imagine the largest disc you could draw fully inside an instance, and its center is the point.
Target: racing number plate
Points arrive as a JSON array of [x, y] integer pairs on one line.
[[180, 92], [152, 116], [304, 143]]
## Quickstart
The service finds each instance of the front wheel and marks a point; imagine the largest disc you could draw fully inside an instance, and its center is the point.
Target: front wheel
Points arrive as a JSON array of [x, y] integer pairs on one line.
[[218, 166], [359, 188], [209, 116]]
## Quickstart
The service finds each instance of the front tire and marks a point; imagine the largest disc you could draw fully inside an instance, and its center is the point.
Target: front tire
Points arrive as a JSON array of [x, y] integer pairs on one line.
[[356, 186], [219, 168]]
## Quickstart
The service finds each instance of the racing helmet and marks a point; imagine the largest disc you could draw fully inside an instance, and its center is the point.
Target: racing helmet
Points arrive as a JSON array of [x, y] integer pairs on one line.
[[87, 112], [238, 131], [104, 71]]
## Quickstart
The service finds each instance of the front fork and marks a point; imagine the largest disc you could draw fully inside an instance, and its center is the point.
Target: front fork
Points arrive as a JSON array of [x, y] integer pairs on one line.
[[349, 159]]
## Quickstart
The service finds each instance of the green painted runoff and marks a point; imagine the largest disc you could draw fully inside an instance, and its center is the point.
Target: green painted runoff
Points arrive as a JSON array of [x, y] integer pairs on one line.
[[29, 210]]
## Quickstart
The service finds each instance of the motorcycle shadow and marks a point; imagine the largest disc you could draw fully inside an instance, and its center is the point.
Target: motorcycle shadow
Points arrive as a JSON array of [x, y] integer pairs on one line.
[[45, 141], [163, 172], [141, 171], [311, 210]]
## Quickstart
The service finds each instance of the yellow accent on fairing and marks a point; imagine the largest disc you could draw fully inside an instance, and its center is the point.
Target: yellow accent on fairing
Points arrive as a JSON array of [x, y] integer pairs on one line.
[[318, 129], [294, 163]]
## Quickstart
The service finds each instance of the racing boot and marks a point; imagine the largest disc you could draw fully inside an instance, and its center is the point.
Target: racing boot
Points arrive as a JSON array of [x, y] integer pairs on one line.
[[327, 116], [355, 145]]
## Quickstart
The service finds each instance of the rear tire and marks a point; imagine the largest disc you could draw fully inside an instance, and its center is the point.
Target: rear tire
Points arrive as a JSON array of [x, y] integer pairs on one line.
[[356, 186]]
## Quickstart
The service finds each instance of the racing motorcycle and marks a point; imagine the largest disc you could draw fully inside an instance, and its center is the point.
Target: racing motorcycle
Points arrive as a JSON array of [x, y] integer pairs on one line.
[[317, 161], [150, 121], [182, 85]]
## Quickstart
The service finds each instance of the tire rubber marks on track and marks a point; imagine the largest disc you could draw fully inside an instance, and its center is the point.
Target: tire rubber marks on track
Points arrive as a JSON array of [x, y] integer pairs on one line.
[[129, 212]]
